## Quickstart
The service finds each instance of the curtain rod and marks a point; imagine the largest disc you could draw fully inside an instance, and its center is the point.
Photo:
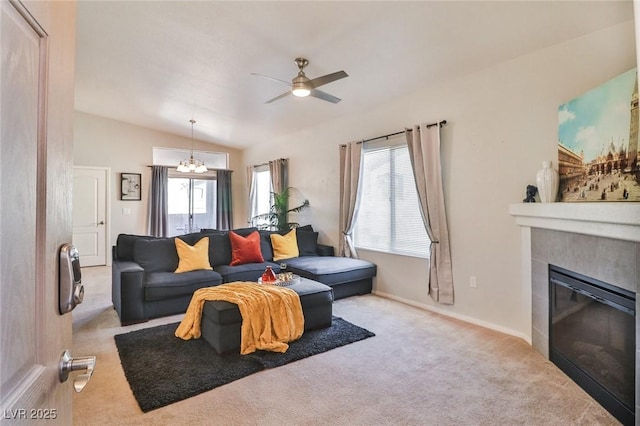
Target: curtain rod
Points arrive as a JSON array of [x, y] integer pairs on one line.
[[439, 123], [267, 163]]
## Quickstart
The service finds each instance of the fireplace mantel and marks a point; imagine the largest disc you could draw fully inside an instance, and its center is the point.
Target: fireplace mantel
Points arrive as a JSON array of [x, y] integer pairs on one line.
[[610, 220]]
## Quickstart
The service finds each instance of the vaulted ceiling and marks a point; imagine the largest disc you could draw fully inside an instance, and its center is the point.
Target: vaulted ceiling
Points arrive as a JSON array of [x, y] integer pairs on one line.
[[159, 64]]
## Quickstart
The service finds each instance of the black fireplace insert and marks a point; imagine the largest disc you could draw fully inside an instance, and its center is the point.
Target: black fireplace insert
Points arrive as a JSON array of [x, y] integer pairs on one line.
[[592, 338]]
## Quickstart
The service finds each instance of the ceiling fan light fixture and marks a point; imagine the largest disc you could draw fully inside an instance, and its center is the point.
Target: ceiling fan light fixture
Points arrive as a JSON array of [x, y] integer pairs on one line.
[[302, 86], [300, 89], [301, 93]]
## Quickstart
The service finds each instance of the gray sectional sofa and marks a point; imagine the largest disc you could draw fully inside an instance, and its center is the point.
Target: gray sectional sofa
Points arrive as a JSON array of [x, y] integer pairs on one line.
[[144, 284]]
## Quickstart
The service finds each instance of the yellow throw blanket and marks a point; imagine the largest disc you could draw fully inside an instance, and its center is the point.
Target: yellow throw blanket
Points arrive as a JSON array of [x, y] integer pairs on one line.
[[271, 315]]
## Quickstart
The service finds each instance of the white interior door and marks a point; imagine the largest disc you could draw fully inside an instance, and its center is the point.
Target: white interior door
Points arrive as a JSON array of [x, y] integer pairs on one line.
[[35, 148], [90, 214]]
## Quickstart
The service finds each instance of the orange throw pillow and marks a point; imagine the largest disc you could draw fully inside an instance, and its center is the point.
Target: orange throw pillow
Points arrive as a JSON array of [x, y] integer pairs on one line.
[[245, 250]]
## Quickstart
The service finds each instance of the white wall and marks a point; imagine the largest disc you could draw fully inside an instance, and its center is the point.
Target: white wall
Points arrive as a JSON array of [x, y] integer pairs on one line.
[[123, 147], [502, 123]]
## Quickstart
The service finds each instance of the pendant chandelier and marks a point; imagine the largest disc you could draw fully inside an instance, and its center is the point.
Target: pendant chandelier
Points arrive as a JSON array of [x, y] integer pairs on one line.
[[191, 165]]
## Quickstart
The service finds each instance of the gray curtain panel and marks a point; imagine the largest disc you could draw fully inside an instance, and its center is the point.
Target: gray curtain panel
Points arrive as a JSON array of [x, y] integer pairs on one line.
[[224, 211], [350, 178], [424, 151], [159, 202]]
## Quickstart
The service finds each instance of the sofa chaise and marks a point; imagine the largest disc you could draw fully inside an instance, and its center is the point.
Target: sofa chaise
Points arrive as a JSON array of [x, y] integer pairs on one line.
[[145, 284]]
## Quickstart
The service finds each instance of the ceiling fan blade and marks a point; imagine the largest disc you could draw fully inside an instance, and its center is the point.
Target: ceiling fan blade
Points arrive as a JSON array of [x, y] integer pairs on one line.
[[319, 81], [278, 97], [288, 83], [324, 96]]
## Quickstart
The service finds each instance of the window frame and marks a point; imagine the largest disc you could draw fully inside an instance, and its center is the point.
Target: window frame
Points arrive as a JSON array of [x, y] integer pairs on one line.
[[254, 204], [392, 248]]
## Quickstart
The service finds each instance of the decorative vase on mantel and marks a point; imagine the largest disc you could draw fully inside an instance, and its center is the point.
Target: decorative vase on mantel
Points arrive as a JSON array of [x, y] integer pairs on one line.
[[547, 180]]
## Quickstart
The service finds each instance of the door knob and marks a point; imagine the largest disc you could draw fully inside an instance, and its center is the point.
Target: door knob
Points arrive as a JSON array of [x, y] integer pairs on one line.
[[69, 364], [101, 222]]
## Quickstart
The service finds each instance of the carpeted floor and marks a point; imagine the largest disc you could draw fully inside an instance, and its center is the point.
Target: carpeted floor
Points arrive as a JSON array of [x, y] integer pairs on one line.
[[162, 369], [420, 369]]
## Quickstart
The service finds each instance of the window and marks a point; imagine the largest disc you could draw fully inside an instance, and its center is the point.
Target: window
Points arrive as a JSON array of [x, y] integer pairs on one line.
[[261, 197], [172, 156], [191, 197], [192, 204], [389, 218], [263, 191]]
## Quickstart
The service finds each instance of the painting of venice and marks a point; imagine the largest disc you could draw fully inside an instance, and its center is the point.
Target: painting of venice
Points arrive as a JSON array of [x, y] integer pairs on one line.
[[598, 143]]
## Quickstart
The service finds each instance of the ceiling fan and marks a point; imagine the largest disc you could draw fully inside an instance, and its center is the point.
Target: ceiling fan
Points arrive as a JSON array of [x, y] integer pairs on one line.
[[302, 86]]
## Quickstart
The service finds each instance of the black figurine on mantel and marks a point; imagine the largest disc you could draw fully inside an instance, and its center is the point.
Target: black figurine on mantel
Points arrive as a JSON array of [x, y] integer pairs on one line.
[[531, 194]]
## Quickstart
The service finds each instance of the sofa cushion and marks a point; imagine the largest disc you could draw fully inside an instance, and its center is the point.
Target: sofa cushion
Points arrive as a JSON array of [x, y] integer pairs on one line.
[[245, 231], [265, 241], [265, 245], [331, 269], [191, 238], [192, 257], [167, 285], [245, 272], [284, 246], [245, 249], [307, 243], [219, 248], [157, 255], [125, 245]]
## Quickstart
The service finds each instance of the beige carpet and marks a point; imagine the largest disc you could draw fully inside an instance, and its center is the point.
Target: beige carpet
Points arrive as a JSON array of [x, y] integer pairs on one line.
[[420, 369]]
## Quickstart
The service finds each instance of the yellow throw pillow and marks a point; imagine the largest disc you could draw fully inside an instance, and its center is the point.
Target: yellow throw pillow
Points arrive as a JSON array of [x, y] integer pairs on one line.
[[285, 246], [193, 258]]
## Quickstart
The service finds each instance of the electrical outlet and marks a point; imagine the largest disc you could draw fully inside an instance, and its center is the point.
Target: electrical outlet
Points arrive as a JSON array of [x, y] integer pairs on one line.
[[473, 282]]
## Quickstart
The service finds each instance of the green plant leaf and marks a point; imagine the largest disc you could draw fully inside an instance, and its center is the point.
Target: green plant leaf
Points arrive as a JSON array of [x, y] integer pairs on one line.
[[277, 217]]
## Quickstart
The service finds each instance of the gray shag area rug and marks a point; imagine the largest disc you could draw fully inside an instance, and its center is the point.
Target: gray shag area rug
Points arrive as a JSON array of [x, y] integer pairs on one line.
[[162, 369]]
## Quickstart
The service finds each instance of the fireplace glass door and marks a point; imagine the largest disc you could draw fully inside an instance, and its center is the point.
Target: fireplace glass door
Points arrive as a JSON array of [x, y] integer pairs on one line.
[[592, 338]]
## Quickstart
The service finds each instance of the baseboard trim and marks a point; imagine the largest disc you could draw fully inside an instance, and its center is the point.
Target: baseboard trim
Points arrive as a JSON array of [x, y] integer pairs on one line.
[[455, 315]]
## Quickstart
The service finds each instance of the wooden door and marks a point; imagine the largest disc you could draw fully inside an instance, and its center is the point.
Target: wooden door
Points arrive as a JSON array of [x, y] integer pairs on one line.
[[90, 214], [36, 113]]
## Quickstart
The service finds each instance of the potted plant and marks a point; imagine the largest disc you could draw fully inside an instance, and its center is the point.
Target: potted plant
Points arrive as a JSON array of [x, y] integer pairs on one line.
[[277, 218]]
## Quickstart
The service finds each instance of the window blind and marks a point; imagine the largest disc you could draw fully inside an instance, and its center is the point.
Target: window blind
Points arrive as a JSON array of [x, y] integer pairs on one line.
[[389, 218]]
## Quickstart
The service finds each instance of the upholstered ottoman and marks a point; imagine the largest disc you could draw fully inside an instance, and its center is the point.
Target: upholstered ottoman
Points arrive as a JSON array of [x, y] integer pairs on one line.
[[221, 321]]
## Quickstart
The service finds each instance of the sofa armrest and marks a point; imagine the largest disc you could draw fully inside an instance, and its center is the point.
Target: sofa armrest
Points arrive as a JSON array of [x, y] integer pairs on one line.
[[127, 291], [324, 250]]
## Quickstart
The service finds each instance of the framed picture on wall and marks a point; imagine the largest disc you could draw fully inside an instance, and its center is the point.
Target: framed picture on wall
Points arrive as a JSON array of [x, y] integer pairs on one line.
[[130, 186], [598, 144]]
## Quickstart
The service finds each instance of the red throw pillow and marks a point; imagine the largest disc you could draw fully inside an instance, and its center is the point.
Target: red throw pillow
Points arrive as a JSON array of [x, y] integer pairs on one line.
[[245, 250]]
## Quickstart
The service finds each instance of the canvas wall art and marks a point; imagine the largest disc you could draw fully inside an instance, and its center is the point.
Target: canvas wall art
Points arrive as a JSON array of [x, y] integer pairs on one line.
[[598, 143]]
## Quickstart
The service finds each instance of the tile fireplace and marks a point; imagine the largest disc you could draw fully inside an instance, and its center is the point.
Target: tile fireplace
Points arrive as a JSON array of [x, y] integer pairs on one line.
[[597, 241]]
